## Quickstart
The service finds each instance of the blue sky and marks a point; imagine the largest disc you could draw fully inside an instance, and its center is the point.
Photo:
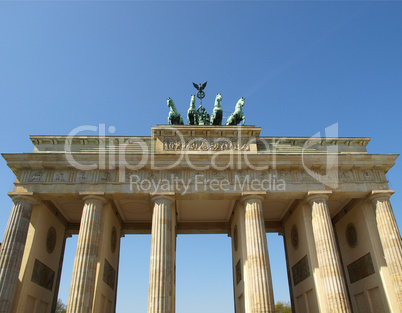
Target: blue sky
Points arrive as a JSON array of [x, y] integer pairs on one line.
[[302, 66]]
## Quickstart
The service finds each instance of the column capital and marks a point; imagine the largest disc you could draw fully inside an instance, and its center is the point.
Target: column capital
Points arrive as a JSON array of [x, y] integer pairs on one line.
[[169, 196], [26, 196], [97, 196], [245, 196], [380, 194], [317, 195]]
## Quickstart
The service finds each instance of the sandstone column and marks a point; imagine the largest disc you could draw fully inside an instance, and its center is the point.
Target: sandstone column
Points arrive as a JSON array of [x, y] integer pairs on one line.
[[332, 278], [259, 281], [161, 297], [390, 237], [84, 272], [12, 249]]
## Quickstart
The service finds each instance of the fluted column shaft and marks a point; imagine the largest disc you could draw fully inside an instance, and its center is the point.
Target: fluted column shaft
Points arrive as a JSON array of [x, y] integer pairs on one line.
[[161, 297], [390, 237], [84, 272], [259, 280], [332, 278], [12, 249]]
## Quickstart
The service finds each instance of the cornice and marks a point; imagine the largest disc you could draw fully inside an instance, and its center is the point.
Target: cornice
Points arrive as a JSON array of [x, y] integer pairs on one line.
[[18, 161]]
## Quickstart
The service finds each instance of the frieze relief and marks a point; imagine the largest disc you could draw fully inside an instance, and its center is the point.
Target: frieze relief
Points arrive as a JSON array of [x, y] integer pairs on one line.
[[288, 176], [84, 177], [241, 175], [205, 144], [194, 176], [346, 176], [357, 175], [218, 175], [175, 175], [129, 174], [37, 176], [154, 176], [60, 177], [285, 175], [368, 176], [304, 176], [104, 177]]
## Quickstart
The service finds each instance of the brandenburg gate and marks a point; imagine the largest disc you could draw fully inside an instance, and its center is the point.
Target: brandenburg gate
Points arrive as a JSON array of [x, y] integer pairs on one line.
[[326, 196]]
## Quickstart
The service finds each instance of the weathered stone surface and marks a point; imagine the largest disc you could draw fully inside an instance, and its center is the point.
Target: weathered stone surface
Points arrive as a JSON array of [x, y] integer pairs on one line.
[[208, 170], [260, 291], [12, 249], [161, 297], [84, 271], [390, 237], [328, 259]]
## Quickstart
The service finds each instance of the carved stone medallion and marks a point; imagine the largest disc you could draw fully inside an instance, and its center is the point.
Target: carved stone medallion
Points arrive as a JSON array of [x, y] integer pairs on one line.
[[351, 235], [235, 238], [294, 237], [113, 239], [51, 239]]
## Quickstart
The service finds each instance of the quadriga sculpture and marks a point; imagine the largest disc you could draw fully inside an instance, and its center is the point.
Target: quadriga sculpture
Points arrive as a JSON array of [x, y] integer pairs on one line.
[[174, 117], [237, 116], [217, 113], [192, 113]]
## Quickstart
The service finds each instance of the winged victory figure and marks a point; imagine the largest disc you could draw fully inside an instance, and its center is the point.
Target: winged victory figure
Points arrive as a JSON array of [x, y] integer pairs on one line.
[[200, 87]]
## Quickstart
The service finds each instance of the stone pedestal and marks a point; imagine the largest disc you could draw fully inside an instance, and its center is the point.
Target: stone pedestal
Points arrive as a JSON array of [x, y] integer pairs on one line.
[[161, 298], [334, 286], [84, 273], [390, 237], [12, 249], [260, 293]]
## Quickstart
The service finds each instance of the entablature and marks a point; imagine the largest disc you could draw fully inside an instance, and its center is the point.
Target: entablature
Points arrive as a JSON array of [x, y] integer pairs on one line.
[[167, 139]]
